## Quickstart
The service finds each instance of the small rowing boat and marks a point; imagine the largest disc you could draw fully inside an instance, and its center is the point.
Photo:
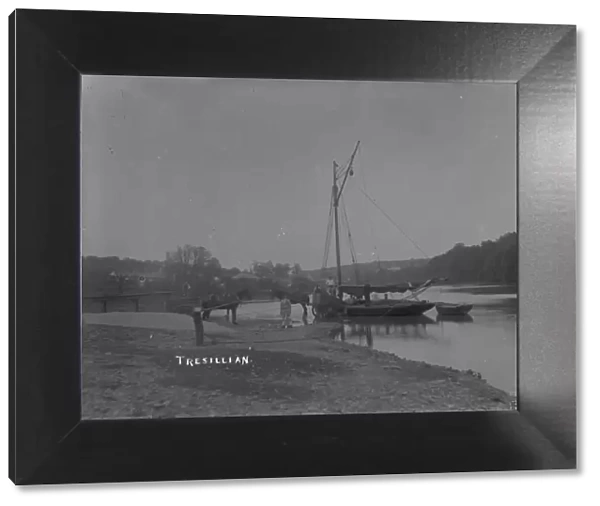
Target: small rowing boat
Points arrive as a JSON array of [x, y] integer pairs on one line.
[[445, 308]]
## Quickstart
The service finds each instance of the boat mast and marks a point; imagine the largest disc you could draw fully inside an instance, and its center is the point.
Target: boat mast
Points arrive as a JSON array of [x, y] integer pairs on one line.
[[337, 229], [336, 195]]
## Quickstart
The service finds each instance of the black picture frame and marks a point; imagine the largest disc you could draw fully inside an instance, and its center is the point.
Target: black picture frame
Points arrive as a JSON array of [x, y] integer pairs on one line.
[[51, 50]]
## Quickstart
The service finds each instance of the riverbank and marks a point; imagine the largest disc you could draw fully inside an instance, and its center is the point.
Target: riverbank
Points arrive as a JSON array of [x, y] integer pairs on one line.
[[256, 368]]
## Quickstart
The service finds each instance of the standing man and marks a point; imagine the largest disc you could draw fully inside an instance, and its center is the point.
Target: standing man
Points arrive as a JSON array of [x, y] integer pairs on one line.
[[330, 283], [235, 301], [367, 294], [316, 296], [198, 325], [316, 301], [286, 312], [212, 302]]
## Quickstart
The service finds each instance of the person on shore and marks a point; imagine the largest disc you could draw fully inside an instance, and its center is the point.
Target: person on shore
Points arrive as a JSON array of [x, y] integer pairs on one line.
[[316, 301], [234, 302], [330, 283], [286, 312], [212, 302], [367, 294], [316, 296]]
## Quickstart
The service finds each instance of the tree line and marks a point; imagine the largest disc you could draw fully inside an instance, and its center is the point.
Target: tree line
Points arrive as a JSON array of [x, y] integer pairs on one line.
[[187, 269], [488, 262], [194, 268]]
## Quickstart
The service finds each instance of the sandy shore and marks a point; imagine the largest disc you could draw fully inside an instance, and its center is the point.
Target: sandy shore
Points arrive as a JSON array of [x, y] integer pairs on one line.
[[256, 368]]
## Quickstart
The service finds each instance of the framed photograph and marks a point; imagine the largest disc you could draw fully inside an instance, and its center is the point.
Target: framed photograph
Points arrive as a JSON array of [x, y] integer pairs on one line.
[[250, 247]]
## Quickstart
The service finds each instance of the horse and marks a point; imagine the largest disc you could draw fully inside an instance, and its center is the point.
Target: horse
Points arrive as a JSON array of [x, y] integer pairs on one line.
[[326, 305], [244, 294], [295, 298], [230, 303]]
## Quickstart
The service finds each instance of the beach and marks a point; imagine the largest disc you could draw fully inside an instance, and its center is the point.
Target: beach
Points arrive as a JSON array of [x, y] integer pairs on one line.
[[147, 366]]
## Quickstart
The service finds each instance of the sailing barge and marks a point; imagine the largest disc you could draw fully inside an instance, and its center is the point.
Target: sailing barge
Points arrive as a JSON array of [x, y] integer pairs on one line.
[[387, 307], [326, 304]]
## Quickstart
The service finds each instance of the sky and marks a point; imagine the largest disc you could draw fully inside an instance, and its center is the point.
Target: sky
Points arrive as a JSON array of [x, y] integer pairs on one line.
[[244, 167]]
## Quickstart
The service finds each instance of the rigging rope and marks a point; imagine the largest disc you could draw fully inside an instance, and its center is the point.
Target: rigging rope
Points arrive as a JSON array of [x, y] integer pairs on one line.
[[364, 182], [351, 245], [350, 241], [347, 224], [394, 223]]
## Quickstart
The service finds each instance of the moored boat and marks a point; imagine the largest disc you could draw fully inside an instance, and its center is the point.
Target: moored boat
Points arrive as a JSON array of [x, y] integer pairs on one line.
[[447, 309], [408, 304]]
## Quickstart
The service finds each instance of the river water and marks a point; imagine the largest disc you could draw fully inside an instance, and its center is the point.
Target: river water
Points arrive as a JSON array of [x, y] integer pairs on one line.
[[486, 342]]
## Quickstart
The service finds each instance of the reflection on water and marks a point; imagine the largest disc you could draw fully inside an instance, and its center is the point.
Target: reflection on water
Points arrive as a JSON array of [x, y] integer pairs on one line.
[[410, 326], [484, 341], [466, 318]]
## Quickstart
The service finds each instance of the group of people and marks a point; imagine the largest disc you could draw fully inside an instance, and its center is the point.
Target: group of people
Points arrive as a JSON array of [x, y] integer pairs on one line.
[[331, 289], [230, 302], [285, 306]]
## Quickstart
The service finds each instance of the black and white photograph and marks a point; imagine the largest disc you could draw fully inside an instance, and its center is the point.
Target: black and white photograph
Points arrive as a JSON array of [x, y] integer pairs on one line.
[[265, 245], [262, 247]]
